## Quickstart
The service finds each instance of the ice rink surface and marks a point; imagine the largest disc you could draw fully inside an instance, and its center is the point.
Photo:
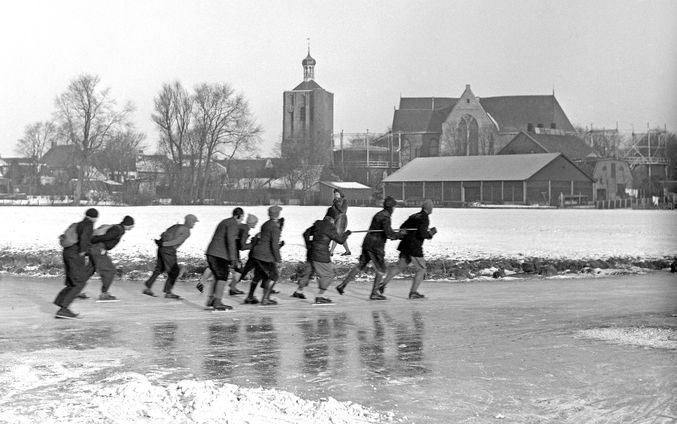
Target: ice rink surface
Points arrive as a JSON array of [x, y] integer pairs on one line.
[[596, 350]]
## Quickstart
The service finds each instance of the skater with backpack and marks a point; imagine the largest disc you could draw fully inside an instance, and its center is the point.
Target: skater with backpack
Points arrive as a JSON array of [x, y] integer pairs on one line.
[[411, 249], [76, 242], [105, 238], [170, 240]]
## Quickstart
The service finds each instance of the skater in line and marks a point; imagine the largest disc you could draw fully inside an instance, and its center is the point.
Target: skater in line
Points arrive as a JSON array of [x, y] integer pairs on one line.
[[340, 206], [76, 242], [243, 243], [222, 254], [250, 265], [170, 240], [98, 253], [317, 238], [373, 248], [266, 255], [411, 249]]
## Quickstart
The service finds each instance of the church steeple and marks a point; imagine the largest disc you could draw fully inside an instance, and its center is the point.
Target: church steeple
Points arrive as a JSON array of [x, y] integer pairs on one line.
[[308, 66]]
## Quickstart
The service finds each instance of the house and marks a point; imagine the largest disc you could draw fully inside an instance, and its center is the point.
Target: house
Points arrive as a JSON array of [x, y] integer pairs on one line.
[[355, 193], [570, 145], [524, 179]]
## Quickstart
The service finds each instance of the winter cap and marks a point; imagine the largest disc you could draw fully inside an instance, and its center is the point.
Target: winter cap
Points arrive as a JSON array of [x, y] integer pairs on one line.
[[252, 220], [128, 221], [274, 211], [389, 202], [427, 205], [332, 213], [92, 213], [191, 218]]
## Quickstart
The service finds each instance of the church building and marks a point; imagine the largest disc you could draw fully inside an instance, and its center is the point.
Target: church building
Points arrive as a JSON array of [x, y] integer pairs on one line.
[[308, 120]]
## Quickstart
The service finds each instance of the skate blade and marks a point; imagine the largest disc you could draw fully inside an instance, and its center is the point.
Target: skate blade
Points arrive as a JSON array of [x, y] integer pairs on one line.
[[60, 317], [107, 301], [323, 304]]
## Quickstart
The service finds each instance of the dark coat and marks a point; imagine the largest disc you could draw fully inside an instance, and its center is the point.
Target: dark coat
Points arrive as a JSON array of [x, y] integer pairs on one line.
[[267, 249], [84, 230], [111, 238], [340, 206], [318, 237], [376, 241], [412, 243], [224, 240]]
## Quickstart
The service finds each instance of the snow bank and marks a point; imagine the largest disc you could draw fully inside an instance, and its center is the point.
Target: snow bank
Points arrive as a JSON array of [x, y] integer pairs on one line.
[[131, 397]]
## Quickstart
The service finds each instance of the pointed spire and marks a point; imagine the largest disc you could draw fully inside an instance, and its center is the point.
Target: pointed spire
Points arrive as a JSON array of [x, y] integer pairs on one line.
[[308, 66]]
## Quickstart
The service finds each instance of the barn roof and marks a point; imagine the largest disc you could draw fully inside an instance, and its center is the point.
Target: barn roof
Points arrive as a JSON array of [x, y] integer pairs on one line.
[[473, 168]]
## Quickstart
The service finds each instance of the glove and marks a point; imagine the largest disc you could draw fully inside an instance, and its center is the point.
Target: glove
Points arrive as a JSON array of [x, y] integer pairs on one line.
[[158, 242], [432, 231], [347, 233], [282, 243], [281, 223]]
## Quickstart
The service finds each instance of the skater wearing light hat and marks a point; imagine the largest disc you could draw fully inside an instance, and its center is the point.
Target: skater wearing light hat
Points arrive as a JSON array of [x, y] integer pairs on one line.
[[266, 254], [170, 240], [411, 249], [105, 238], [243, 243]]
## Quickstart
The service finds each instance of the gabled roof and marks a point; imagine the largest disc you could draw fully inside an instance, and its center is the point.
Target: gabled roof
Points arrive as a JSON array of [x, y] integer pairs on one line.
[[473, 168], [419, 120], [18, 161], [60, 156], [513, 113], [345, 185], [308, 85], [570, 145], [431, 103]]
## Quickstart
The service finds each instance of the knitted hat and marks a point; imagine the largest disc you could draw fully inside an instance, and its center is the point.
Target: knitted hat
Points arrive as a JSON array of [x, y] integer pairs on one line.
[[274, 211], [128, 221], [92, 213], [252, 220]]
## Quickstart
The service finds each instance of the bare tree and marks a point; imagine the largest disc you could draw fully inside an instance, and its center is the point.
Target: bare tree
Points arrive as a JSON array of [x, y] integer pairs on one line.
[[38, 137], [118, 156], [173, 114], [88, 118]]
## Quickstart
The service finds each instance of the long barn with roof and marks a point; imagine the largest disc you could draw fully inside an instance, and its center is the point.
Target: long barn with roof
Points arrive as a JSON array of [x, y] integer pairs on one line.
[[520, 179]]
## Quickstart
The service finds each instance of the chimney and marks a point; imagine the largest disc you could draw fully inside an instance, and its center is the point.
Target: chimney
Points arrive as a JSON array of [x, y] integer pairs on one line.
[[530, 127]]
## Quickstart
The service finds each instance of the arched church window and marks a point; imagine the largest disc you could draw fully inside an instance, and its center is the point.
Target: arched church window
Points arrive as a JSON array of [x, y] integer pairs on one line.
[[467, 134]]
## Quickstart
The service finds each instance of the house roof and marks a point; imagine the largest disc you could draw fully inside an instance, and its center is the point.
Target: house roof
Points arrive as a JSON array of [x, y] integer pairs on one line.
[[511, 113], [60, 156], [345, 185], [308, 85], [473, 168], [570, 145]]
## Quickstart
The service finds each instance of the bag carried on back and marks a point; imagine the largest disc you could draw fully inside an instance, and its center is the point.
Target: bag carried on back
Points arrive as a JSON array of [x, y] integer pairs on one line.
[[70, 236], [102, 230]]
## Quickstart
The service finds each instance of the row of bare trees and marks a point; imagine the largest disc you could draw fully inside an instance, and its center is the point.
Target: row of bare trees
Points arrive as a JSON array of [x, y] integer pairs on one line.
[[197, 127]]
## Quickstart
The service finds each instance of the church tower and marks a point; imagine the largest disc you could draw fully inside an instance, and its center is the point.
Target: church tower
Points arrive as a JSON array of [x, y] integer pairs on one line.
[[308, 119]]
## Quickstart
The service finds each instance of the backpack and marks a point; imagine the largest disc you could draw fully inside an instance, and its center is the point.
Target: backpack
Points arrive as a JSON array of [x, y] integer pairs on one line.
[[70, 236], [170, 233], [102, 230]]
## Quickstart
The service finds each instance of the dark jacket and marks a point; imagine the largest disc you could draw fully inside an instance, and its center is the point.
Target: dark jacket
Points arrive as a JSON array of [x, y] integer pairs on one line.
[[376, 241], [111, 238], [267, 249], [412, 243], [318, 237], [224, 240], [84, 230]]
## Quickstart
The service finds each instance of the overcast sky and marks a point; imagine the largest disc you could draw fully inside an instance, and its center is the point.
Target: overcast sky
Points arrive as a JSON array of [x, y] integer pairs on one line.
[[609, 61]]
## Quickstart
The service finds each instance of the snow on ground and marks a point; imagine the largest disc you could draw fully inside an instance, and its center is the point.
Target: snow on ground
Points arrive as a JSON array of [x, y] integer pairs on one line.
[[124, 397], [462, 233], [664, 338]]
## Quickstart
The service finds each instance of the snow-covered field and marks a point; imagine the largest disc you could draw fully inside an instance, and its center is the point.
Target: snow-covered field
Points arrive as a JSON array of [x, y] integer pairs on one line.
[[462, 233]]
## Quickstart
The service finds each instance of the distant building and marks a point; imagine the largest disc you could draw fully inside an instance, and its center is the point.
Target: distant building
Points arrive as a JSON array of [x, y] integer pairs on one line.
[[570, 145], [538, 178], [357, 194], [308, 120], [471, 126]]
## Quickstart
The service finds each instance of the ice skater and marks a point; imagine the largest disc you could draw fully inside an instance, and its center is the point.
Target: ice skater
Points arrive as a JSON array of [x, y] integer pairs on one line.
[[317, 238], [340, 206], [373, 248], [222, 255], [168, 243], [76, 242], [98, 253], [266, 255], [243, 243], [411, 249]]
